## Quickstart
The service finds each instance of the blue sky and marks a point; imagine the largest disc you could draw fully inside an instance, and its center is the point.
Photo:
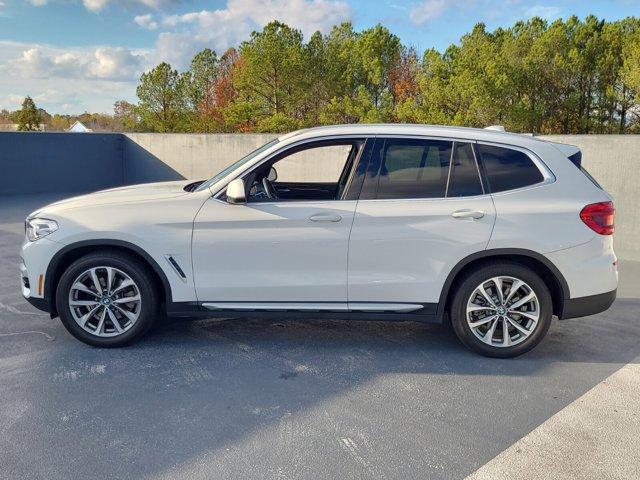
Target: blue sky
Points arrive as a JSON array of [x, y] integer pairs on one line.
[[82, 55]]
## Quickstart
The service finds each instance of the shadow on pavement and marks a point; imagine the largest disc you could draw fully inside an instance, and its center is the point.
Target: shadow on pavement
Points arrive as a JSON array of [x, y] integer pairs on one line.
[[244, 398]]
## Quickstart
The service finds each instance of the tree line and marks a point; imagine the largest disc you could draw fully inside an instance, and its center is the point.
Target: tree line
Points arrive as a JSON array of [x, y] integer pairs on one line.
[[30, 118], [568, 76]]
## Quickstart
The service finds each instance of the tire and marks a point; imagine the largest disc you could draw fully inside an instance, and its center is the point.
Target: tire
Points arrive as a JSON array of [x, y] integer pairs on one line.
[[473, 316], [77, 295]]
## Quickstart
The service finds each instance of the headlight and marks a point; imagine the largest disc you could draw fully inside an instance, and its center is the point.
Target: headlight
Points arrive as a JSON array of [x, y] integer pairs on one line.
[[36, 228]]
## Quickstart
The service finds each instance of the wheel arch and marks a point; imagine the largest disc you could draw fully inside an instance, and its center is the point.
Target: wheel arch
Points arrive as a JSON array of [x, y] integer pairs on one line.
[[67, 255], [553, 278]]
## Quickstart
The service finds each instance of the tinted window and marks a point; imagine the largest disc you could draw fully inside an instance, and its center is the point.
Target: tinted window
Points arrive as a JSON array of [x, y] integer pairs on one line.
[[464, 180], [414, 169], [507, 169]]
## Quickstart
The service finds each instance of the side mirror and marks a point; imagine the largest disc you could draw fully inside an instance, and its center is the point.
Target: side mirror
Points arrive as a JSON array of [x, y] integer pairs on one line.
[[236, 192]]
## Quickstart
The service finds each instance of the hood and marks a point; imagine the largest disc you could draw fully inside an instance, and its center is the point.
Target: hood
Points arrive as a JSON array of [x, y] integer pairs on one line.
[[129, 194]]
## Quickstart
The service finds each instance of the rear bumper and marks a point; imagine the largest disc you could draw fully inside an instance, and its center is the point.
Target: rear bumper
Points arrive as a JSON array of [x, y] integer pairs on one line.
[[584, 306]]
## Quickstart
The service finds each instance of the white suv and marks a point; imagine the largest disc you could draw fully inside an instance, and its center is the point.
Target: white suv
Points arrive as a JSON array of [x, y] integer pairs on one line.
[[497, 232]]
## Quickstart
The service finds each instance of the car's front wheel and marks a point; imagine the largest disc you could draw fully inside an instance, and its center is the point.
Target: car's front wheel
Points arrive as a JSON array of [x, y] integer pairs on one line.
[[501, 310], [107, 299]]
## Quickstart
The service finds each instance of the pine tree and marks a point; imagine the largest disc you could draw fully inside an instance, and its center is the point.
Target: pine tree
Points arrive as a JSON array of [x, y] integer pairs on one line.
[[29, 116]]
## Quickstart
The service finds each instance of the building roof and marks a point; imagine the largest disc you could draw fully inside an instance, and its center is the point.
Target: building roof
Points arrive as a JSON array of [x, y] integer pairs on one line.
[[78, 127]]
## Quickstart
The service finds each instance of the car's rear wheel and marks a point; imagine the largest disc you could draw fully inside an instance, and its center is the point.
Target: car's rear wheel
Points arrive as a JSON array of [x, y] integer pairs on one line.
[[107, 299], [501, 310]]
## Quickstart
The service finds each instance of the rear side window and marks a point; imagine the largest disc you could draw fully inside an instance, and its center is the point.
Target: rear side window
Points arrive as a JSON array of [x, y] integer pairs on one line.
[[508, 169], [414, 169], [464, 179]]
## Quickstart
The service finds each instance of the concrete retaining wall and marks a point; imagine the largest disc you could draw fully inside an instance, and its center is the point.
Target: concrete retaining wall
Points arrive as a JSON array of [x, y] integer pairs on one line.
[[151, 157], [60, 162]]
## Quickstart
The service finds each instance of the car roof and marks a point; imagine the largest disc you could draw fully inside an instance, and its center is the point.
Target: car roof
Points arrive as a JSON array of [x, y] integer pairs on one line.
[[414, 129]]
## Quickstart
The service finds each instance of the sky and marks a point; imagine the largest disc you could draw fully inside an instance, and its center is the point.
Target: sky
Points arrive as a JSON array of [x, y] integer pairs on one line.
[[73, 56]]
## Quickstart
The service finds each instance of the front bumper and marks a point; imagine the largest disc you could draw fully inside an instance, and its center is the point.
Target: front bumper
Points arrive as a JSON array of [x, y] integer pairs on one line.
[[584, 306], [28, 291], [41, 304], [34, 262]]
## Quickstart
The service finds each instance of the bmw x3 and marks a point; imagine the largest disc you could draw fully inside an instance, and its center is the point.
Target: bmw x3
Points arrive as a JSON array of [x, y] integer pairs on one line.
[[492, 232]]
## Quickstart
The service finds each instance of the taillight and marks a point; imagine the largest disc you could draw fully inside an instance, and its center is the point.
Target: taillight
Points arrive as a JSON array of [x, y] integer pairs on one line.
[[599, 217]]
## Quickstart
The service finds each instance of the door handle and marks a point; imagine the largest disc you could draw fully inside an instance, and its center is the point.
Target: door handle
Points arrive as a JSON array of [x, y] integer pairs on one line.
[[464, 214], [325, 217]]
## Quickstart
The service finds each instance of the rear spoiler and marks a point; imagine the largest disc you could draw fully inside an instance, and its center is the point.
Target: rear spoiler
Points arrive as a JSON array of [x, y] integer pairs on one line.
[[572, 152], [576, 159], [574, 155]]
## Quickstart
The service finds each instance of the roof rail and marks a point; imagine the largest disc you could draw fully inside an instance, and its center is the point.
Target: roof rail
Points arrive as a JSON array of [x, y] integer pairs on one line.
[[497, 128]]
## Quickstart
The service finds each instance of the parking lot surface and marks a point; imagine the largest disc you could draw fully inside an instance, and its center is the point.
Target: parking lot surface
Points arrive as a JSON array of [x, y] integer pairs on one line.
[[242, 398]]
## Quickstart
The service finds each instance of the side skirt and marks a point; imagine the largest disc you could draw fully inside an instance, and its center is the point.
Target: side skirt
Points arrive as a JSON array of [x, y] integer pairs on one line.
[[335, 311]]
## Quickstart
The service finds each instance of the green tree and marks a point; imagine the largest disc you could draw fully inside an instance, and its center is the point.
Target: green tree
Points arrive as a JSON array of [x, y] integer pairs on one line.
[[29, 118], [59, 123], [629, 88], [163, 100], [125, 116], [272, 71], [567, 76], [360, 74], [201, 76]]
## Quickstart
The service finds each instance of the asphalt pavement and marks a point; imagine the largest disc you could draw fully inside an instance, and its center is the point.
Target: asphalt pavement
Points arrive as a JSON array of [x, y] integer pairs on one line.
[[243, 398]]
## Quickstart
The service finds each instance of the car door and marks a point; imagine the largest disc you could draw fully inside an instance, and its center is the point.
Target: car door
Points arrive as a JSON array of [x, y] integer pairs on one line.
[[284, 253], [422, 209]]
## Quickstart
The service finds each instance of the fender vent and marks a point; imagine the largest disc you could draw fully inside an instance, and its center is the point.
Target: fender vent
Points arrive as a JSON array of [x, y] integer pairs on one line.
[[176, 266]]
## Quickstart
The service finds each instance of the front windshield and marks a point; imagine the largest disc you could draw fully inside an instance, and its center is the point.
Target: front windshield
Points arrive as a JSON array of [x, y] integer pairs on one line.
[[235, 165]]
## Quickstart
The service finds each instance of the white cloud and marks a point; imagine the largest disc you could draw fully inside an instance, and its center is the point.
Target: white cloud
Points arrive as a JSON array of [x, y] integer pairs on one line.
[[108, 63], [95, 5], [72, 80], [226, 27], [91, 78], [542, 11], [146, 21], [15, 100], [428, 10], [116, 63], [98, 5]]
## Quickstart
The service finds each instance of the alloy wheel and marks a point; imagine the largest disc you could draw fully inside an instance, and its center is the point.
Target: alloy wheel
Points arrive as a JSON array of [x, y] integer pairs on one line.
[[105, 301], [503, 311]]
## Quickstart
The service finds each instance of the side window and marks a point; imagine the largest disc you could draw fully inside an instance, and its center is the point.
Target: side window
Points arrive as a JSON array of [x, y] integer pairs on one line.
[[315, 165], [507, 169], [317, 171], [414, 168], [464, 179]]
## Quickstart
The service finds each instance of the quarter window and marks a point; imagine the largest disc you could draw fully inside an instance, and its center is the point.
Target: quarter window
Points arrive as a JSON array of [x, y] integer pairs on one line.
[[414, 169], [508, 169]]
